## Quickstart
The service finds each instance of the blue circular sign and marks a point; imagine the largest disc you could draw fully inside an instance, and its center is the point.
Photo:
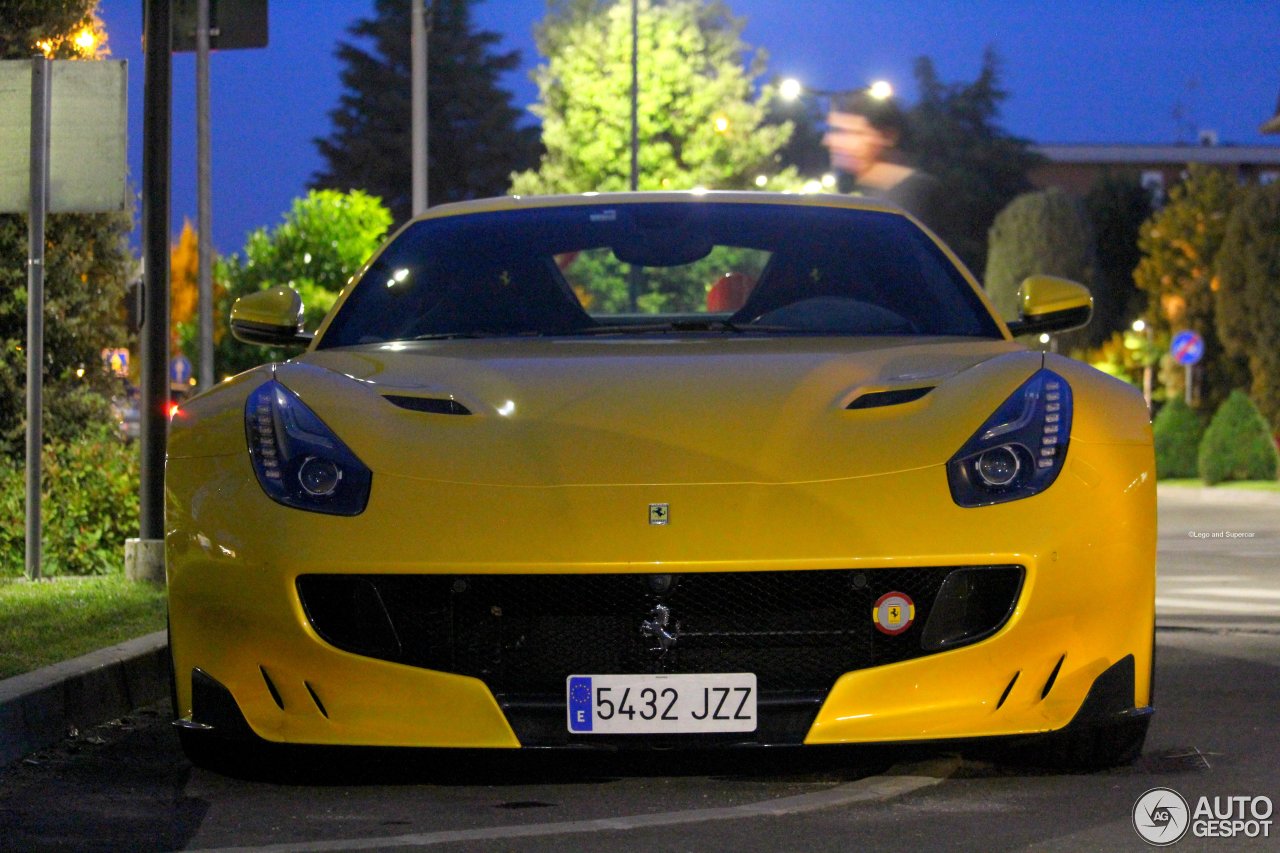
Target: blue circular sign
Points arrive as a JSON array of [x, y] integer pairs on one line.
[[1187, 347]]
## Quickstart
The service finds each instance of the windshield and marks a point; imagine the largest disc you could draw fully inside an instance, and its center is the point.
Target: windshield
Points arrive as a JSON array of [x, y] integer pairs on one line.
[[660, 268]]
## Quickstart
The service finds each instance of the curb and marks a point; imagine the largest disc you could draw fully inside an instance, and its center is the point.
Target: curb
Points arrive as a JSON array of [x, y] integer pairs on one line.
[[37, 709]]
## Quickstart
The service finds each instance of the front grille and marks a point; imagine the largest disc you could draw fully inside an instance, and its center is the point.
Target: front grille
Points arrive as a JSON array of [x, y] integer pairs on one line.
[[523, 635]]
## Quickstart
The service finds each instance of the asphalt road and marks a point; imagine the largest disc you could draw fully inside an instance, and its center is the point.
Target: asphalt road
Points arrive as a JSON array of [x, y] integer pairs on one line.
[[125, 786]]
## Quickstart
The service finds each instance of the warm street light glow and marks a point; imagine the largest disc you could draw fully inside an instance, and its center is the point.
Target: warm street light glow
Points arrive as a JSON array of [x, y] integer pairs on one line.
[[812, 187], [828, 181], [790, 89], [880, 90], [761, 181], [721, 123], [1139, 325], [1044, 338]]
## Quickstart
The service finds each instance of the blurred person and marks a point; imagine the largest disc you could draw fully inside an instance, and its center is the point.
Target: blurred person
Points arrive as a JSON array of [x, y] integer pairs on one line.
[[863, 135]]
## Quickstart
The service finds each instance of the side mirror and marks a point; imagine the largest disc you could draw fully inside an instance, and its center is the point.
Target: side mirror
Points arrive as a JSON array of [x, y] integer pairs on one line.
[[271, 317], [1050, 304]]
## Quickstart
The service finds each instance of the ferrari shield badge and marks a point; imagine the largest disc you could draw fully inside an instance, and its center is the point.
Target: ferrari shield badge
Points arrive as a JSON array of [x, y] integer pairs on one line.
[[659, 513], [894, 612]]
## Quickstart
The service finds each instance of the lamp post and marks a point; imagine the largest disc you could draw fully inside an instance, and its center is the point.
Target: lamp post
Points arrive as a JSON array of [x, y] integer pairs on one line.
[[419, 31]]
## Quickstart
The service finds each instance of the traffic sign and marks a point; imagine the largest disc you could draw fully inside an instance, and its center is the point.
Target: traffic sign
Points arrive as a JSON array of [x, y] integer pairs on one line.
[[116, 360], [1187, 347], [180, 370]]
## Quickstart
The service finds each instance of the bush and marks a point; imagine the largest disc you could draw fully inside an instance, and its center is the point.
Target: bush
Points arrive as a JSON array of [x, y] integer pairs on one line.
[[90, 505], [1238, 444], [1177, 434]]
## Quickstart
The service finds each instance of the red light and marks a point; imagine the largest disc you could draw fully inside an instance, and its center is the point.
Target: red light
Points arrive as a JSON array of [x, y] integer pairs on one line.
[[173, 410]]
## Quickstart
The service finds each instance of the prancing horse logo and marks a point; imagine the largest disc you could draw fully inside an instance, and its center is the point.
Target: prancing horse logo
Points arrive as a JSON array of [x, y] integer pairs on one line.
[[661, 630]]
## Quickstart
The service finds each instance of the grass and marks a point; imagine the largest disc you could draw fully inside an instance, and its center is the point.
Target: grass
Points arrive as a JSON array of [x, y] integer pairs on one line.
[[55, 620], [1253, 485]]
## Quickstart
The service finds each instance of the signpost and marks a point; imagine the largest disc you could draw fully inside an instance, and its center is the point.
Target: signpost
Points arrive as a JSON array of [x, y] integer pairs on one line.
[[62, 130], [1187, 348]]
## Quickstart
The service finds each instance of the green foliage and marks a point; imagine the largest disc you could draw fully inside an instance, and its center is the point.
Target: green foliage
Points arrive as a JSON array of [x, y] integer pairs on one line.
[[324, 240], [90, 505], [953, 135], [87, 264], [1238, 444], [1118, 204], [473, 140], [1177, 437], [691, 76], [1247, 300], [1039, 233], [1179, 245]]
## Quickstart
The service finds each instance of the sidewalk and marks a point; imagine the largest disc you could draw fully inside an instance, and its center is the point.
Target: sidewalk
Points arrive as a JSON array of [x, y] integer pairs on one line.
[[37, 709], [1218, 495]]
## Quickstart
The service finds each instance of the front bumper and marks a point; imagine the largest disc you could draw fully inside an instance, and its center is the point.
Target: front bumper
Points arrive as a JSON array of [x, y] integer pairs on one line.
[[1086, 602]]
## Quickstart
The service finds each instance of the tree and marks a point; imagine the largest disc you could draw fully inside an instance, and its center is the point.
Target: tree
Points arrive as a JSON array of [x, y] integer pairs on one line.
[[1237, 444], [324, 240], [699, 124], [1177, 431], [1038, 233], [1179, 245], [1247, 298], [1117, 204], [474, 142], [953, 135], [87, 264]]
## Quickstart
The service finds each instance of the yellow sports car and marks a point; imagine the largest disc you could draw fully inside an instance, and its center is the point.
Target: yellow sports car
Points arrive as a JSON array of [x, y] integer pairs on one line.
[[676, 469]]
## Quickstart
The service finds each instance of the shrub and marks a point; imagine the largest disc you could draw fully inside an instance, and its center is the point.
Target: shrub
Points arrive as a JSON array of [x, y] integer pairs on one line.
[[90, 488], [1238, 444], [1177, 435]]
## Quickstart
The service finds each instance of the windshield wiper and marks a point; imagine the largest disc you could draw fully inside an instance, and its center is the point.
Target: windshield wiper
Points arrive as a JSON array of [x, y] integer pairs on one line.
[[475, 333], [686, 325]]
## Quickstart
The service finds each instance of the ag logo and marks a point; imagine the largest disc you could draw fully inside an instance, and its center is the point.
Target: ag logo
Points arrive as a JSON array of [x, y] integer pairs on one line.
[[1161, 816]]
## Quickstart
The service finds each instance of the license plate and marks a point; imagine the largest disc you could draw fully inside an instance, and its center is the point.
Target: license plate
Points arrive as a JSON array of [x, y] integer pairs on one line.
[[662, 704]]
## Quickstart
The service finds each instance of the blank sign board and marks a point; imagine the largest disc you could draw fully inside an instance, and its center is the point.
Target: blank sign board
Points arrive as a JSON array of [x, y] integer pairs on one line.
[[87, 136]]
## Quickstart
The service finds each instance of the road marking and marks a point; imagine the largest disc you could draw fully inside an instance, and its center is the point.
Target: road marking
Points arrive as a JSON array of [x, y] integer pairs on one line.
[[908, 778], [1257, 609], [1236, 592]]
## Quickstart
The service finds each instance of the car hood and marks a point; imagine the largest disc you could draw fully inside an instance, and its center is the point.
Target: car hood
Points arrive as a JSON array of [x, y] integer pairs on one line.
[[552, 412]]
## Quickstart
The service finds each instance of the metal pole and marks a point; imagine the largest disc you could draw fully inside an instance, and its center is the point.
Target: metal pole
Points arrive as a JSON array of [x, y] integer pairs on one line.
[[153, 414], [204, 197], [41, 73], [633, 271], [418, 98], [635, 95]]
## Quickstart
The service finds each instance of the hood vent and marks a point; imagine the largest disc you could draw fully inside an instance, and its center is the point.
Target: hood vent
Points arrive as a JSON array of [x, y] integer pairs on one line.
[[897, 396], [433, 405]]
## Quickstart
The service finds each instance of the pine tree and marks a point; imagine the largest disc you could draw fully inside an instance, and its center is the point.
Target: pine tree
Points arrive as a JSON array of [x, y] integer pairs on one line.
[[699, 123], [953, 135], [474, 142], [1118, 204]]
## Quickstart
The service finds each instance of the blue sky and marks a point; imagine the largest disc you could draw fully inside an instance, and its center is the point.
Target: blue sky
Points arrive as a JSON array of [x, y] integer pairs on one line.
[[1083, 71]]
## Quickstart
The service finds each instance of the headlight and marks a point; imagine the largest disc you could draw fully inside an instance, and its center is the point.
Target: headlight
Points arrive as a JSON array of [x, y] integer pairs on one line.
[[298, 460], [1021, 448]]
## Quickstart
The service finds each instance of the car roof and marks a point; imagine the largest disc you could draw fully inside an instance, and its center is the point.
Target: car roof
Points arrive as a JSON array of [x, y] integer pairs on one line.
[[515, 202]]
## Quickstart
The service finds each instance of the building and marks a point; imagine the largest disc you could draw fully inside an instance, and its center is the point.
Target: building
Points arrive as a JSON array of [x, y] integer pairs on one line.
[[1076, 168]]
